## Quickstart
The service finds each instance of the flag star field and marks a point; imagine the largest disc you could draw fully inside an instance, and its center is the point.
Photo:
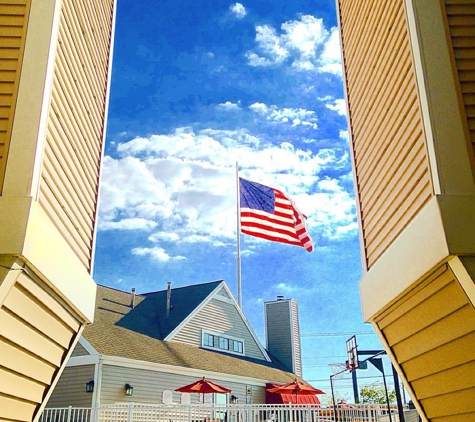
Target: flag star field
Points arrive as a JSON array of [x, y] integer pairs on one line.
[[195, 88]]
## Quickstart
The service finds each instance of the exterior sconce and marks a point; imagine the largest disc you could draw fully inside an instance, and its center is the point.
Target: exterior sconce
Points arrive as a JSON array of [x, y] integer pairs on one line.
[[90, 386], [234, 399], [129, 390]]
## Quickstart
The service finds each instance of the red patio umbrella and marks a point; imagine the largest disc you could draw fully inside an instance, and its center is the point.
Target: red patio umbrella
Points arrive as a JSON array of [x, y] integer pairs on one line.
[[203, 386], [296, 388]]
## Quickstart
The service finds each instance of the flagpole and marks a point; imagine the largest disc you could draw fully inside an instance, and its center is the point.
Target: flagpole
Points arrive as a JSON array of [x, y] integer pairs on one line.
[[238, 234]]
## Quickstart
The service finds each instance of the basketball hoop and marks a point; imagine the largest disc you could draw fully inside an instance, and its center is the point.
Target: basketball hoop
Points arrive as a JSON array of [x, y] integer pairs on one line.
[[352, 354], [338, 370]]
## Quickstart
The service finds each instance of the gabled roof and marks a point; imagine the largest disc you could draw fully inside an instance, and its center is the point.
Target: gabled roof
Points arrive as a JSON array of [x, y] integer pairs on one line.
[[138, 333]]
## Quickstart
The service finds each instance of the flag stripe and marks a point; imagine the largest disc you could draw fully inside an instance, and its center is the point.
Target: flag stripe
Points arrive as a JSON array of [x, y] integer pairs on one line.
[[255, 226], [284, 224]]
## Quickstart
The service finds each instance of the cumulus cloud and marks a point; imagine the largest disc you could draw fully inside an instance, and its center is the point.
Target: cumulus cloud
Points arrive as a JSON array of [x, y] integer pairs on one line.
[[228, 105], [293, 116], [180, 187], [337, 105], [129, 224], [305, 43], [238, 10], [157, 254]]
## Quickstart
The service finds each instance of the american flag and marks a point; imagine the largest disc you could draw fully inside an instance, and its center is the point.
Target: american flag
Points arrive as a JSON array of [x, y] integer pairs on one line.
[[268, 213]]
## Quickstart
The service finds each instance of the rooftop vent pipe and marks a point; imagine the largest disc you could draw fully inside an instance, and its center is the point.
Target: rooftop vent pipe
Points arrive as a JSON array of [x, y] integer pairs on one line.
[[132, 299], [169, 295]]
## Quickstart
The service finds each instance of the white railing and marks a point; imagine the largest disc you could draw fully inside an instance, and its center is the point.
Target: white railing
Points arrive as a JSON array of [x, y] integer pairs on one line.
[[140, 412], [67, 414]]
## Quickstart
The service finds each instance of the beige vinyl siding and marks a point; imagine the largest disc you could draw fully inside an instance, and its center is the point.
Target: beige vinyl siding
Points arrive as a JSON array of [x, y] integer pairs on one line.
[[431, 332], [388, 141], [70, 174], [13, 24], [279, 332], [36, 332], [149, 386], [461, 18], [71, 387], [220, 317]]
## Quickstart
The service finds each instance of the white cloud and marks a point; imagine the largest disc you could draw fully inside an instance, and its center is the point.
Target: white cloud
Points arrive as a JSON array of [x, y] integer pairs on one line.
[[344, 135], [293, 116], [181, 186], [228, 105], [157, 254], [330, 60], [337, 105], [305, 43], [129, 224], [238, 10]]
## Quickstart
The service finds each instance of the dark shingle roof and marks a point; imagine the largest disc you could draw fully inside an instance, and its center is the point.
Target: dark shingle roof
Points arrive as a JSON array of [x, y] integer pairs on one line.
[[138, 333]]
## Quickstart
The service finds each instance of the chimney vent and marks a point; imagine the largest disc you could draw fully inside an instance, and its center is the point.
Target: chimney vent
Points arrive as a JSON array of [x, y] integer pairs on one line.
[[132, 299], [169, 296]]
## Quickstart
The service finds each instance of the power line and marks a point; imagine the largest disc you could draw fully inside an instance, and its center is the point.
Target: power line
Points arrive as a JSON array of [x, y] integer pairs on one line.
[[339, 334]]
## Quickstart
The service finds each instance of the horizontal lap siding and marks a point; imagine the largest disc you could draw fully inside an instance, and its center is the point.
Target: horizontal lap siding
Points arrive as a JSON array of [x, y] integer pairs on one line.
[[461, 18], [70, 175], [388, 141], [36, 332], [13, 19], [221, 317], [296, 338], [432, 335], [71, 387], [279, 327], [149, 385]]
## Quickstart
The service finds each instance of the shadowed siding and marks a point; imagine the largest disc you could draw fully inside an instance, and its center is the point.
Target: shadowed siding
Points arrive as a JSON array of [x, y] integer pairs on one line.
[[35, 335], [71, 387], [461, 19], [13, 23], [221, 317], [149, 386], [70, 174], [388, 141], [79, 351], [279, 331], [432, 335]]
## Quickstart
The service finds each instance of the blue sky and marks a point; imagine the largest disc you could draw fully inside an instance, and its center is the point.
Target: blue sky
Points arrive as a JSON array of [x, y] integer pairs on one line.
[[197, 87]]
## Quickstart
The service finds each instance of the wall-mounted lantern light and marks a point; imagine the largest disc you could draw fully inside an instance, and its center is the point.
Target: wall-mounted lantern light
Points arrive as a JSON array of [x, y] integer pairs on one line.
[[90, 386], [234, 399], [129, 390]]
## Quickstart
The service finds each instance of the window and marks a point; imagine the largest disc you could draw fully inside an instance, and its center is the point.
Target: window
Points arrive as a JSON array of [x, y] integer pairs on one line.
[[223, 343], [208, 340], [231, 344], [237, 346]]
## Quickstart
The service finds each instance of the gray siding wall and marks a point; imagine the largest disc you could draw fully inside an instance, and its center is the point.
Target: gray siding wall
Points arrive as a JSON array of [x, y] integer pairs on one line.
[[279, 331], [79, 351], [149, 386], [71, 387], [220, 317]]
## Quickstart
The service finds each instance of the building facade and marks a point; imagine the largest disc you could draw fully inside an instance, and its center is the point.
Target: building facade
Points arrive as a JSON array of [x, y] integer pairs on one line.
[[409, 73], [160, 341], [55, 66]]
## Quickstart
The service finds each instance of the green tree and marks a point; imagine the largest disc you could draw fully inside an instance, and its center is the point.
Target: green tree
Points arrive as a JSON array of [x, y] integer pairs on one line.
[[376, 394]]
